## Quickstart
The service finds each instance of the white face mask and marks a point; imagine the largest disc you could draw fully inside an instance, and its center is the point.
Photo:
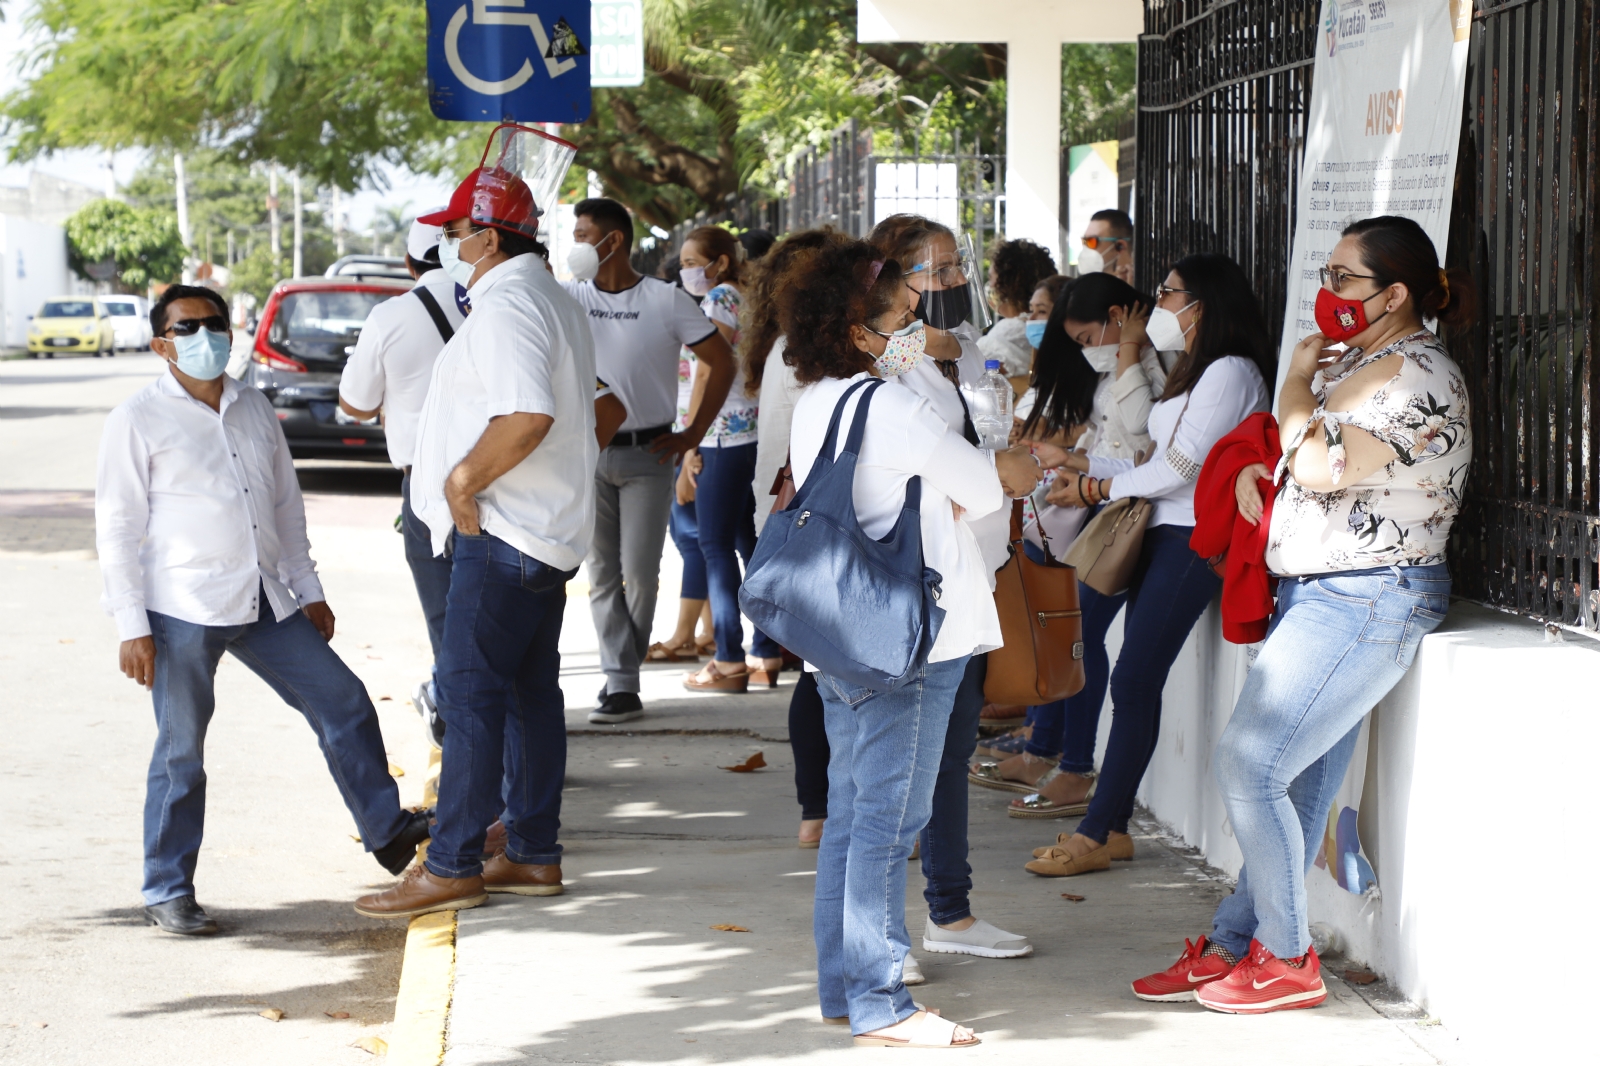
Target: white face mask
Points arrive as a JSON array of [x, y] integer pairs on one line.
[[459, 270], [695, 282], [1164, 331], [1090, 261], [584, 260], [1101, 357], [903, 350]]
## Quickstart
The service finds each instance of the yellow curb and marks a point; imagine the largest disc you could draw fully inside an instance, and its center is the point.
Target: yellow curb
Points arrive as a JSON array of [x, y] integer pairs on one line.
[[422, 1009]]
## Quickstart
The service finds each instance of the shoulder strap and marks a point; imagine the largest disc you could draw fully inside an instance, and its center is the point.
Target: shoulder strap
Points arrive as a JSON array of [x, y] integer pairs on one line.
[[968, 430], [435, 312], [830, 441], [858, 427]]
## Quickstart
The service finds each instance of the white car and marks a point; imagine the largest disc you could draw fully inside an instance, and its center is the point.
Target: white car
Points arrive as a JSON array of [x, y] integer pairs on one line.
[[130, 320]]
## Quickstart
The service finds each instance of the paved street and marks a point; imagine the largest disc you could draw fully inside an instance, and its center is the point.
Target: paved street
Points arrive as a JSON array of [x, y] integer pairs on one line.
[[662, 844]]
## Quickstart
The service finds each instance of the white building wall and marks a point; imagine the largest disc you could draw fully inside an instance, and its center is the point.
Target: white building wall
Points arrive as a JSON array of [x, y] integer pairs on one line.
[[33, 268], [1480, 766]]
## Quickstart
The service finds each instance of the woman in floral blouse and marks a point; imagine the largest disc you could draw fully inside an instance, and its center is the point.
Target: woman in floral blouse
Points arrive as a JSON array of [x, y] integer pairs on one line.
[[1377, 442]]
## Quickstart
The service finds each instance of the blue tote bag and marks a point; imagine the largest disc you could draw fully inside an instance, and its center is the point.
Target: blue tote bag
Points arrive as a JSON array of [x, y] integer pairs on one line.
[[864, 611]]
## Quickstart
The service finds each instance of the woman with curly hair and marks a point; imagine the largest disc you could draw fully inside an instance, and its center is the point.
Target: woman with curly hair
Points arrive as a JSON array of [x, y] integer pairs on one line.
[[1015, 270], [848, 318]]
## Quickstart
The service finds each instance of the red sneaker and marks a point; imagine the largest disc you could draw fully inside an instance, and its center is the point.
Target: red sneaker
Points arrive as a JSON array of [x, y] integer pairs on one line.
[[1176, 984], [1263, 983]]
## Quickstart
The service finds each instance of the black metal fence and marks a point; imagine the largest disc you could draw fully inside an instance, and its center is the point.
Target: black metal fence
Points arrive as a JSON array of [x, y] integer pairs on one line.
[[1524, 222], [1224, 88]]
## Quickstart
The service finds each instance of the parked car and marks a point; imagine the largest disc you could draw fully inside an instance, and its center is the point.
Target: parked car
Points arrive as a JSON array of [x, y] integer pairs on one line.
[[71, 324], [369, 266], [130, 321], [305, 334]]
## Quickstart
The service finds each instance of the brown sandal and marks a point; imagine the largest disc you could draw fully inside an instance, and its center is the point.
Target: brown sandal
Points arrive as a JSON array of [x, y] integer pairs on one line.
[[660, 653], [706, 649], [720, 682]]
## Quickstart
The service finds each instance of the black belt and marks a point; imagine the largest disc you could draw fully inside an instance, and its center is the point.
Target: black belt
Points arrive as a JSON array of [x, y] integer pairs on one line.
[[634, 438]]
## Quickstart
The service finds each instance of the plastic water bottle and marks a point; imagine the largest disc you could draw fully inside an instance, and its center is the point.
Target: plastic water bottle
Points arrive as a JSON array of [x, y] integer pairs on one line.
[[990, 400]]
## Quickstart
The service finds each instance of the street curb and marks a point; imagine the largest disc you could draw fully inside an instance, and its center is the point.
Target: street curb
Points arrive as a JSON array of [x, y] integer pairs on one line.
[[427, 972], [427, 976]]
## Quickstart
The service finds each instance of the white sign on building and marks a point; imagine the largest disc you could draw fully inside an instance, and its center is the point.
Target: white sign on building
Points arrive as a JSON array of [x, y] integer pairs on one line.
[[1091, 187], [1382, 135], [616, 43], [927, 189]]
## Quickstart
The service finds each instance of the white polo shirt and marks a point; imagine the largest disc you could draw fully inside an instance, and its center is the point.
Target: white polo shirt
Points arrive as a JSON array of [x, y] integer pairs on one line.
[[525, 347], [393, 360], [637, 334]]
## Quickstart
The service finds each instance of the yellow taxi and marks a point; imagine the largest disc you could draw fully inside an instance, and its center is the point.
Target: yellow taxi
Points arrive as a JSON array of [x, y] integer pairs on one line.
[[71, 324]]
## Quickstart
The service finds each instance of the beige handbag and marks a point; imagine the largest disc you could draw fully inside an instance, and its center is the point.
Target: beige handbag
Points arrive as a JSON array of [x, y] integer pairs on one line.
[[1107, 551]]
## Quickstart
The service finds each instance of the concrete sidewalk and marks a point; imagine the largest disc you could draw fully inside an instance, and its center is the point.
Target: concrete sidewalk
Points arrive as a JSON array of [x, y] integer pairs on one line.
[[662, 845]]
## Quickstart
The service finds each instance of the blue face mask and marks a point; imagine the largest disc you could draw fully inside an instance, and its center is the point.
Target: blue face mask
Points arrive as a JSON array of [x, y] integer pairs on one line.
[[1035, 330], [202, 355]]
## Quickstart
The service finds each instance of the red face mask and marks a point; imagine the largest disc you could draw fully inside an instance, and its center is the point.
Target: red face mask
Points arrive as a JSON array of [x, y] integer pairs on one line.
[[1339, 318]]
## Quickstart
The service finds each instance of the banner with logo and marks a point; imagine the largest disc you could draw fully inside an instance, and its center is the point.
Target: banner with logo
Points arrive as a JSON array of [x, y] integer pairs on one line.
[[1381, 139]]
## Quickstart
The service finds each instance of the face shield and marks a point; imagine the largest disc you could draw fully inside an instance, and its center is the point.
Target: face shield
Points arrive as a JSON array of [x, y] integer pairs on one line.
[[948, 283], [519, 177]]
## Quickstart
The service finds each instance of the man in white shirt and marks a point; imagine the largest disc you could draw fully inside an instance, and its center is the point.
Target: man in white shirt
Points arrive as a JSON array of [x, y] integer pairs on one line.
[[202, 539], [504, 481], [389, 370], [639, 324]]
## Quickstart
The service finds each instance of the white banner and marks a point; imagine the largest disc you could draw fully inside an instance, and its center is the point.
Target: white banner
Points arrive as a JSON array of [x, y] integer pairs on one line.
[[1381, 139]]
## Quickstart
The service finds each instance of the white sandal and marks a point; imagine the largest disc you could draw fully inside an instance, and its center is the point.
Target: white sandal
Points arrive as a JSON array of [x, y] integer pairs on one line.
[[927, 1031]]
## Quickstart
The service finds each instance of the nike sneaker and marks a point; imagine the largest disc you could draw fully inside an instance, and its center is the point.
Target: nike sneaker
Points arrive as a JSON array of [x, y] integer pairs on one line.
[[1263, 983], [1176, 984]]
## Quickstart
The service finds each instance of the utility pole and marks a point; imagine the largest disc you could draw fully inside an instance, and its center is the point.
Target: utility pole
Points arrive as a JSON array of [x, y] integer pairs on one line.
[[231, 257], [299, 231], [338, 223], [183, 213], [273, 222]]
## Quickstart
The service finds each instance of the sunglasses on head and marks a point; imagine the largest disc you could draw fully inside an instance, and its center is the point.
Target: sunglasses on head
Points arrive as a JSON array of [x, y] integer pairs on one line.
[[188, 327]]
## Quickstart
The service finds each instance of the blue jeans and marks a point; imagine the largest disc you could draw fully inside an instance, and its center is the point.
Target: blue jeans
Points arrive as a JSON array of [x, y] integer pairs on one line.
[[1171, 588], [430, 573], [1337, 645], [725, 505], [1071, 726], [292, 657], [947, 878], [685, 530], [808, 738], [886, 750], [500, 696]]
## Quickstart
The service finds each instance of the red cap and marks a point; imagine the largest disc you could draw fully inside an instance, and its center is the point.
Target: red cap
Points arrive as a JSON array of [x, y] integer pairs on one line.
[[491, 196]]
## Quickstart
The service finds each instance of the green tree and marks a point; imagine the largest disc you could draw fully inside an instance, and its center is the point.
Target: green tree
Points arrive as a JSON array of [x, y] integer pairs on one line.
[[1098, 84], [142, 244]]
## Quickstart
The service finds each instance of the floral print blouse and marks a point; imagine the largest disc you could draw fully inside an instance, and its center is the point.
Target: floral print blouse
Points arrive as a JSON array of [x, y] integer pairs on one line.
[[735, 424], [1399, 515]]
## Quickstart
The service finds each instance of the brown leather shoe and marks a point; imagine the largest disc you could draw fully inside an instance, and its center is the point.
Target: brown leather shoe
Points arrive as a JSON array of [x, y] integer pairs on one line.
[[494, 840], [421, 891], [1120, 845], [500, 874], [1059, 862]]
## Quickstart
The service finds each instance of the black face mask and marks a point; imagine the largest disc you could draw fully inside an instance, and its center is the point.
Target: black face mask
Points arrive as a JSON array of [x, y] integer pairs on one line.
[[945, 308]]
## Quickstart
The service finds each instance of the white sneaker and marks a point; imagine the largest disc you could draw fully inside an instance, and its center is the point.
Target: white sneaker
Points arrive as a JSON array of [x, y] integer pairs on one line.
[[980, 939], [422, 700], [911, 973]]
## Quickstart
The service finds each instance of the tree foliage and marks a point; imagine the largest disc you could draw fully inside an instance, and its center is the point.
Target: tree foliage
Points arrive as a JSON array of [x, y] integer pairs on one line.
[[334, 87], [141, 243]]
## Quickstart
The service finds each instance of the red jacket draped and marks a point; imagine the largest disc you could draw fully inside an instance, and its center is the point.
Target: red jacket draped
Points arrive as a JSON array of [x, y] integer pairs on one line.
[[1247, 587]]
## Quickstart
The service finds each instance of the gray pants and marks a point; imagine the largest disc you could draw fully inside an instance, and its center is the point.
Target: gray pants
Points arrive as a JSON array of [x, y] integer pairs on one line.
[[633, 500]]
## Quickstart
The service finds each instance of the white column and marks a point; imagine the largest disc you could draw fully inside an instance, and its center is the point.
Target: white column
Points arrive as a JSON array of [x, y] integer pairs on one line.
[[299, 234], [1033, 141], [338, 223], [181, 186], [273, 220]]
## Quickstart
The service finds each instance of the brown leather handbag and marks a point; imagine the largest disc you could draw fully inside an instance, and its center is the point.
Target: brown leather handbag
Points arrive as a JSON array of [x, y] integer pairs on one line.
[[1042, 659]]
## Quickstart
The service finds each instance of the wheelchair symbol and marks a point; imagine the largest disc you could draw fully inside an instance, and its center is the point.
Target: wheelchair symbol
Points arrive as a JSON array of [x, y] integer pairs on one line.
[[554, 64]]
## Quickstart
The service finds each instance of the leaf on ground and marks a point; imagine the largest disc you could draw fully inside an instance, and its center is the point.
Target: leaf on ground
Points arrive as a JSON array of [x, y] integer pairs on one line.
[[730, 928], [1360, 977], [396, 771], [749, 766], [363, 647], [337, 1013], [42, 1025], [373, 1045], [272, 1014], [1074, 899], [67, 640], [355, 838], [382, 699]]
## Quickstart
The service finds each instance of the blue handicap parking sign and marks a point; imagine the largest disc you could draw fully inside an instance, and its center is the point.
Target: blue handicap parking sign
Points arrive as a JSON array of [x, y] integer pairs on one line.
[[509, 60]]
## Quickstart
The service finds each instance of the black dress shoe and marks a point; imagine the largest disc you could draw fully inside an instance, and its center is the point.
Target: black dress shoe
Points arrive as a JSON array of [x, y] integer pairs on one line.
[[182, 915], [396, 855]]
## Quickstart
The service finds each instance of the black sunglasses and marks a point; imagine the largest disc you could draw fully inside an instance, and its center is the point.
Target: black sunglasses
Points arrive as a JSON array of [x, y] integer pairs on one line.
[[188, 327]]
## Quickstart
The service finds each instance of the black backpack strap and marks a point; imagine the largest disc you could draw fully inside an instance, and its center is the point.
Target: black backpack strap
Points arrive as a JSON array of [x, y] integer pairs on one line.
[[435, 312]]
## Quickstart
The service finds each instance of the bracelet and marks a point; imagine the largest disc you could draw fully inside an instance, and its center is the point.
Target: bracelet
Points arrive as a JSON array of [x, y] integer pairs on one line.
[[1035, 457], [1101, 488], [1082, 493]]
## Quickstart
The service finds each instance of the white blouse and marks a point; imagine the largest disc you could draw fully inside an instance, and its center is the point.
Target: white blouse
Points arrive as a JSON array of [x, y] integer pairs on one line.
[[1119, 425], [1184, 429], [779, 391], [1397, 516], [1008, 342], [906, 437]]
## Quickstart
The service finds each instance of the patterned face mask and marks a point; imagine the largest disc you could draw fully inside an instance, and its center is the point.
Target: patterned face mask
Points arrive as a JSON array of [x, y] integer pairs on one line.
[[904, 350]]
